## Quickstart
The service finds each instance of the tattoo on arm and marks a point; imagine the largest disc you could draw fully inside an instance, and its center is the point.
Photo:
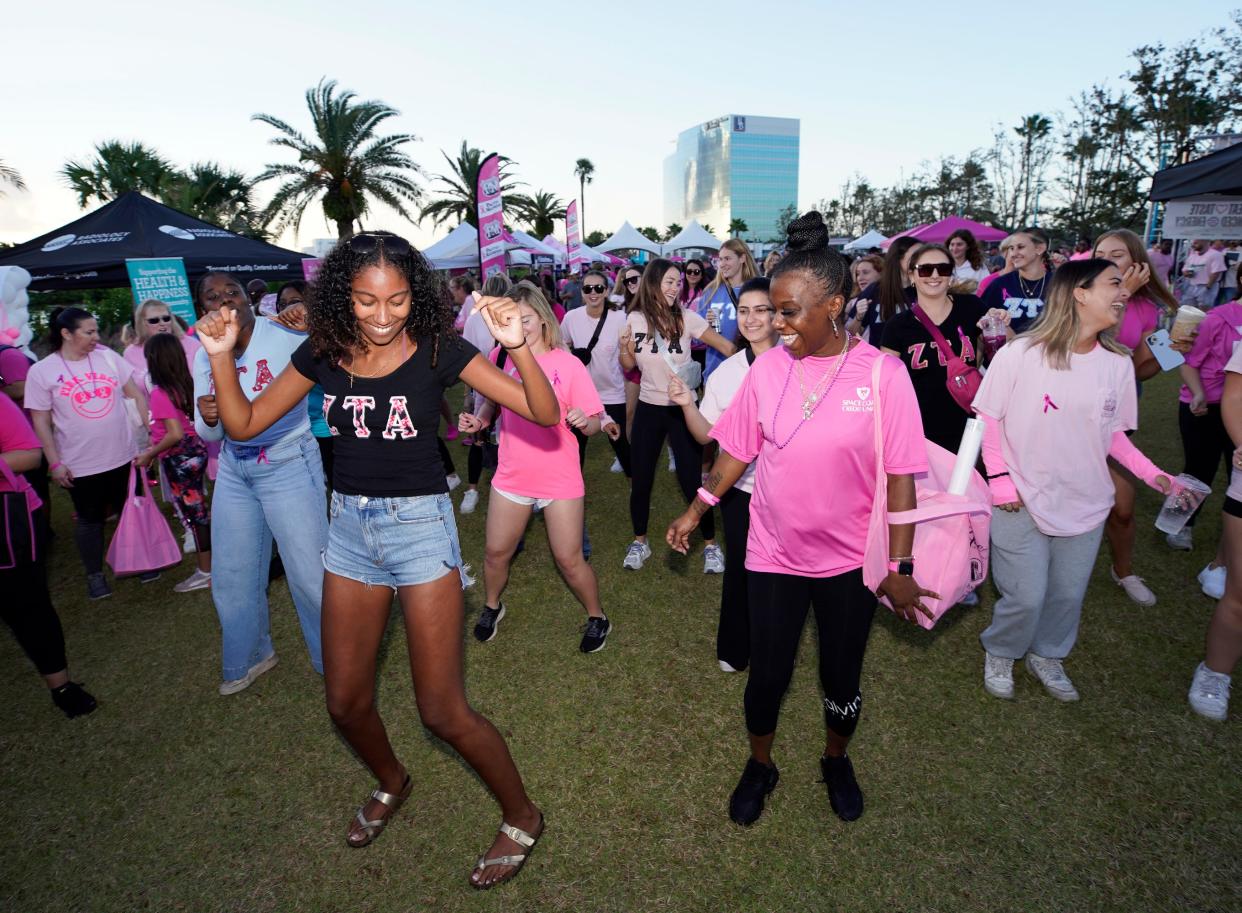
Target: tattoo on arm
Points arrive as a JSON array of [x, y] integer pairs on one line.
[[712, 481]]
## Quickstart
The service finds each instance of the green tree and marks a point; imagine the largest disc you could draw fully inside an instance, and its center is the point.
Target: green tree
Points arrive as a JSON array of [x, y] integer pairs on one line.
[[783, 218], [459, 189], [540, 212], [223, 197], [1034, 134], [594, 239], [706, 228], [346, 164], [737, 227], [10, 176], [584, 171], [117, 168], [672, 231], [651, 234]]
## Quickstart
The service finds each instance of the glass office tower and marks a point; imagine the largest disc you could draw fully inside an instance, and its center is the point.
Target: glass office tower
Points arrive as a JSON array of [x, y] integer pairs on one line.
[[733, 167]]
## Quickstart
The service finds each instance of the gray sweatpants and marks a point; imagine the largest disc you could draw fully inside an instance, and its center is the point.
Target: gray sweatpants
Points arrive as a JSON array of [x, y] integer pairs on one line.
[[1042, 580]]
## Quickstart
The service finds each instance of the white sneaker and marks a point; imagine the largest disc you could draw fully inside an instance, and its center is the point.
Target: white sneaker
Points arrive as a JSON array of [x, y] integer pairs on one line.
[[970, 600], [241, 684], [636, 556], [1051, 674], [469, 501], [998, 676], [725, 667], [1183, 540], [713, 560], [1212, 580], [187, 543], [453, 481], [616, 466], [1209, 693], [1135, 588], [199, 580]]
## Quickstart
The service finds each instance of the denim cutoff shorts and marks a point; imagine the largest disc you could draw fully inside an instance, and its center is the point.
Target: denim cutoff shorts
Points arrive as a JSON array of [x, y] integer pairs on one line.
[[392, 542]]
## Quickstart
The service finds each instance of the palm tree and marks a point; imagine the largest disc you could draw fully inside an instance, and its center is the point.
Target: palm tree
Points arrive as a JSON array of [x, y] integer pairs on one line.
[[540, 212], [209, 192], [460, 188], [709, 229], [737, 226], [10, 175], [672, 231], [651, 234], [584, 170], [116, 169], [345, 164]]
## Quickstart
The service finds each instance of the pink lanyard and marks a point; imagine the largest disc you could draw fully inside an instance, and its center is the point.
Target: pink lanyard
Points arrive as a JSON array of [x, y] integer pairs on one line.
[[90, 367]]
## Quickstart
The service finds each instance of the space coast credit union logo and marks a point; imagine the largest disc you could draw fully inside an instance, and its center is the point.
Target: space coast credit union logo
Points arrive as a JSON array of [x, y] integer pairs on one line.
[[863, 403], [92, 396]]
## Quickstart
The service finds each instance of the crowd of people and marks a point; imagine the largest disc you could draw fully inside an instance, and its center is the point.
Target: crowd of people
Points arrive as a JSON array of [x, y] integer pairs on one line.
[[300, 435]]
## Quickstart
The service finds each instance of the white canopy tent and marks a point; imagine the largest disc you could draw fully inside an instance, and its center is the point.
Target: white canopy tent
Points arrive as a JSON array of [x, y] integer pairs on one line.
[[693, 235], [585, 254], [627, 238], [459, 249], [871, 239], [534, 245]]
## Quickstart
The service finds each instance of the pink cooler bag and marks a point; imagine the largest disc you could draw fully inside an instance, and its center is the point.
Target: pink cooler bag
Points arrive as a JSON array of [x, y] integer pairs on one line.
[[142, 541], [950, 533]]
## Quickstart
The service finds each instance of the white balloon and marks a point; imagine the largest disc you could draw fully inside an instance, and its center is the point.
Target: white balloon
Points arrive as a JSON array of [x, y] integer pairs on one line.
[[15, 308]]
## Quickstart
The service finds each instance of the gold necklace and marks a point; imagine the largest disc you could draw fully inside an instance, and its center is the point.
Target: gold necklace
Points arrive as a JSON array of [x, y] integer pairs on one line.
[[810, 401], [352, 373]]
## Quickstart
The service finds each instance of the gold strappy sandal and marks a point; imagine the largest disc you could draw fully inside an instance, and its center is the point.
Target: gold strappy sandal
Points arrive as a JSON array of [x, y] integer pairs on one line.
[[372, 829], [521, 838]]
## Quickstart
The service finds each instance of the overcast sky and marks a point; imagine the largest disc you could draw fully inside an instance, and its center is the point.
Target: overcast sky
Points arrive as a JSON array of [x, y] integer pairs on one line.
[[878, 87]]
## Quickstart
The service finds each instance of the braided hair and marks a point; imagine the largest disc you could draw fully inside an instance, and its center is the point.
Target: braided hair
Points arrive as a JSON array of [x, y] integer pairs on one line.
[[808, 252]]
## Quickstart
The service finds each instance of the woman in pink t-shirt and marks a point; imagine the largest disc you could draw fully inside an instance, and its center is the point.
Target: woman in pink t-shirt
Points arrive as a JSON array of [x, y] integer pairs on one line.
[[539, 467], [179, 449], [1057, 403], [806, 414], [1147, 296], [153, 318], [656, 340]]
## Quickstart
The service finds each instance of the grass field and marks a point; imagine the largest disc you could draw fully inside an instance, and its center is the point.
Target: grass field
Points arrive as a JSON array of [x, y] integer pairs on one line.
[[171, 797]]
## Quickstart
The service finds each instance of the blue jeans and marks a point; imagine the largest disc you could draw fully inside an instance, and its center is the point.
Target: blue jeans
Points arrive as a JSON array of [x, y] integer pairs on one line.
[[261, 492]]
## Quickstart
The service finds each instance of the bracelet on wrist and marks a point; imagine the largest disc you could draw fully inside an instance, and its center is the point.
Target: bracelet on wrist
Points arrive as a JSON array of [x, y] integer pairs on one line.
[[518, 346], [55, 466], [707, 497], [997, 476]]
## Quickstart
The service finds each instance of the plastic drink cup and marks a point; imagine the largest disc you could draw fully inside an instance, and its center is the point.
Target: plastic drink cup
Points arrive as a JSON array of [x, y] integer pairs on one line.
[[993, 334], [1181, 503], [713, 319], [1186, 322]]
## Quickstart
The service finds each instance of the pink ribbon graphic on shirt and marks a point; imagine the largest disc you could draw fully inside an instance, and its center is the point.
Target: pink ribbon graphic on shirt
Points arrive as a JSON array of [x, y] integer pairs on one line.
[[1048, 402]]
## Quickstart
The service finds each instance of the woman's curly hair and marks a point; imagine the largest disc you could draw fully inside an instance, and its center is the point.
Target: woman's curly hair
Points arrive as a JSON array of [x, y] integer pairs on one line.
[[334, 332]]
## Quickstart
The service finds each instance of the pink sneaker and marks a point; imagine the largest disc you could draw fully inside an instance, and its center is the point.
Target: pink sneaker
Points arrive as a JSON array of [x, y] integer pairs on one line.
[[451, 434]]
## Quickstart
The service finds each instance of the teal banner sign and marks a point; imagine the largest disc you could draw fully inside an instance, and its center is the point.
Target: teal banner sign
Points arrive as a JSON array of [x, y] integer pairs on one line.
[[163, 278]]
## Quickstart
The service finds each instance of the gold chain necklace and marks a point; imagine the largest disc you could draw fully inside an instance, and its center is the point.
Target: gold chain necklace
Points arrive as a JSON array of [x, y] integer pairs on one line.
[[352, 374], [810, 400]]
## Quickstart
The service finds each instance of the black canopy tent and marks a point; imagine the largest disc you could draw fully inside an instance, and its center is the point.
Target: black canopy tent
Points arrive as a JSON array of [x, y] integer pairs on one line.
[[1219, 173], [91, 251]]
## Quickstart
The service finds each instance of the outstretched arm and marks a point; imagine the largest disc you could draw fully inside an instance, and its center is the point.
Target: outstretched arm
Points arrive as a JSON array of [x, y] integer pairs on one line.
[[532, 398]]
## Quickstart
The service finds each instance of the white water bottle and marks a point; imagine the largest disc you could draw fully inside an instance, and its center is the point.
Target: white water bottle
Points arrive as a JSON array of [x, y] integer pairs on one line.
[[967, 456]]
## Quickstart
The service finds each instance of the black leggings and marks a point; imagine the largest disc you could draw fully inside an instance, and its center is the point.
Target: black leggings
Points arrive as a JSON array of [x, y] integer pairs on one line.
[[1205, 444], [621, 446], [652, 424], [27, 609], [733, 634], [94, 498], [843, 607]]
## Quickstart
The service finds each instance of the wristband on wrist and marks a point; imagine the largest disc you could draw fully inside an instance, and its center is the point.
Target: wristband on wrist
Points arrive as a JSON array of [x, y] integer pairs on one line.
[[708, 498], [997, 476], [902, 566], [518, 346], [55, 466]]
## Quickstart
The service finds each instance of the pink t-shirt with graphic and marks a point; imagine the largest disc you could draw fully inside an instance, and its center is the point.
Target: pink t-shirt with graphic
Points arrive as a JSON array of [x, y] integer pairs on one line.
[[539, 462], [1056, 429], [1219, 334], [162, 407], [16, 434], [1140, 318], [1234, 366], [91, 426], [650, 354], [815, 480]]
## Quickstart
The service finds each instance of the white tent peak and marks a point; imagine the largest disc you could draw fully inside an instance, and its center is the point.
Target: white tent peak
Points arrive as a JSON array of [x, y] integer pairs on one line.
[[627, 238], [693, 235], [871, 239]]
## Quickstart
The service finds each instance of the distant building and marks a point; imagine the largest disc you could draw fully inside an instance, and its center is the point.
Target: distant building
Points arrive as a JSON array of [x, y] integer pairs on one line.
[[733, 167], [320, 247]]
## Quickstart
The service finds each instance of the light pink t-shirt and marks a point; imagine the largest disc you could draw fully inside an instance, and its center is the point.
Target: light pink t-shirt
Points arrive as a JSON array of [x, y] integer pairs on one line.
[[16, 434], [1219, 334], [162, 407], [1207, 266], [1140, 318], [719, 391], [91, 425], [605, 368], [1234, 365], [813, 496], [135, 356], [1056, 429], [650, 354], [539, 462]]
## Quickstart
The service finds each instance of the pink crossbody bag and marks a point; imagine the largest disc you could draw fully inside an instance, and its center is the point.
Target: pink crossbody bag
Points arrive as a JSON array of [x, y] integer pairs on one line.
[[963, 380]]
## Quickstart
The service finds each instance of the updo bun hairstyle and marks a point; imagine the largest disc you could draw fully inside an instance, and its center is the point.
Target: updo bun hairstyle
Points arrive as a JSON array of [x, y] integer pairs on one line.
[[808, 252]]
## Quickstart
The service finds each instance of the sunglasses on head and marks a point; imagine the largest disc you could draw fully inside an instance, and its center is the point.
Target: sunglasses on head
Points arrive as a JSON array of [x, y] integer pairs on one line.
[[167, 318], [632, 280], [925, 270], [594, 289], [369, 241]]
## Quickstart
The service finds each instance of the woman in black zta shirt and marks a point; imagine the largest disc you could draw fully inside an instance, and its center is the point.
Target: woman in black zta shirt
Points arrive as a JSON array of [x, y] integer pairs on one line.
[[383, 348]]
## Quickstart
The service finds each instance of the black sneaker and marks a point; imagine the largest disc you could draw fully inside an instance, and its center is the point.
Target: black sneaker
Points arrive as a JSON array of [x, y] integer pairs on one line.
[[595, 634], [746, 803], [97, 586], [73, 699], [843, 792], [489, 618], [150, 576]]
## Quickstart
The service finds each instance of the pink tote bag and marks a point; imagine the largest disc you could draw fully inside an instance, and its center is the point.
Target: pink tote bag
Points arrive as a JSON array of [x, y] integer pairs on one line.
[[950, 534], [142, 541]]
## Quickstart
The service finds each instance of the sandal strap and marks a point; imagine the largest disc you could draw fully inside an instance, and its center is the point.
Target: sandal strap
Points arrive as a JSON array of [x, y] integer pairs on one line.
[[370, 826], [500, 860], [387, 798], [517, 835]]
